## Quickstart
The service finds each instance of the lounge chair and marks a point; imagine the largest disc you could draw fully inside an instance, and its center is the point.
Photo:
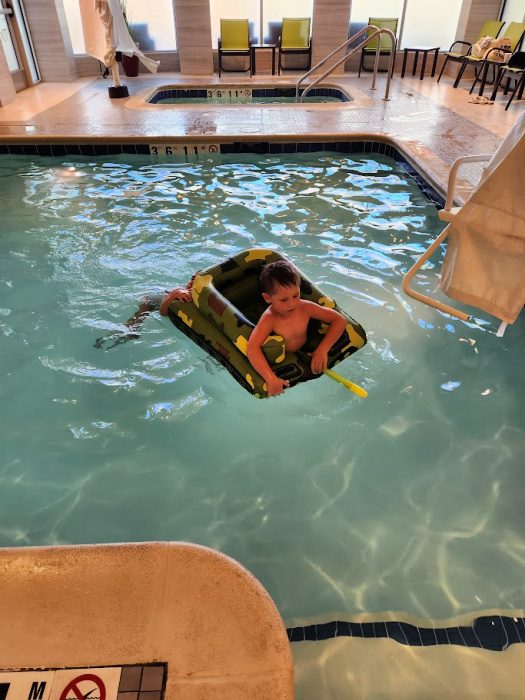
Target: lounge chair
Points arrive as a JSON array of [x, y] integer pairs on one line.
[[385, 46], [235, 41], [514, 69], [484, 264], [295, 39], [514, 32], [489, 28]]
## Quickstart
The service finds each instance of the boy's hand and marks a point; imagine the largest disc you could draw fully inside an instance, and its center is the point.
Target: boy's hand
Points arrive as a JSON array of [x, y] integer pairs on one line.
[[319, 361], [276, 386], [181, 294]]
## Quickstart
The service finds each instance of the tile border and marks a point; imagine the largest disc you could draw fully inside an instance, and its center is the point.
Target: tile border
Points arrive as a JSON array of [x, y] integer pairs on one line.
[[491, 632]]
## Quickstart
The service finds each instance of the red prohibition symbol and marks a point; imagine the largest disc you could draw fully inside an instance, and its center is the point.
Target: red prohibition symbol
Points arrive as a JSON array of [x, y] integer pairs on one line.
[[73, 686]]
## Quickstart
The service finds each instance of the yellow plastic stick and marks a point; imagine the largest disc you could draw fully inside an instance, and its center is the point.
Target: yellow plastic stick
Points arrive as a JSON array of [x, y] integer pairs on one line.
[[346, 382]]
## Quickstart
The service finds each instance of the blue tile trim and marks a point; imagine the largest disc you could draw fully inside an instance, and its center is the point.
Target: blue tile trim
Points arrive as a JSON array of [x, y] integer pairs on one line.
[[493, 632], [180, 94]]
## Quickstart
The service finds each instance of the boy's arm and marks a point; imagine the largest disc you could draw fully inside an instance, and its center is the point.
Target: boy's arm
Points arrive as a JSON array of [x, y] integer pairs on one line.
[[337, 326], [182, 294], [257, 359]]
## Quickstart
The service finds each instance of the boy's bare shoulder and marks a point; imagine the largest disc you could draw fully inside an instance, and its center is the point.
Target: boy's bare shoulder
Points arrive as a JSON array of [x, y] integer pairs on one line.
[[308, 307]]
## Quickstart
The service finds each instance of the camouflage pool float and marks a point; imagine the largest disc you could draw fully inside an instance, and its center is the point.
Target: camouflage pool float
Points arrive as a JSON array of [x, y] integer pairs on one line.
[[227, 303]]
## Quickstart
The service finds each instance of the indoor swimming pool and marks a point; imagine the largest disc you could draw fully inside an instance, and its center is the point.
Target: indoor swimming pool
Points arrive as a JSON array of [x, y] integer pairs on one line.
[[409, 500]]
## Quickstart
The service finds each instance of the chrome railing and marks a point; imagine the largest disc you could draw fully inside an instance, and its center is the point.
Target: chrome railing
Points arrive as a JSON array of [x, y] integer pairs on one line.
[[376, 33]]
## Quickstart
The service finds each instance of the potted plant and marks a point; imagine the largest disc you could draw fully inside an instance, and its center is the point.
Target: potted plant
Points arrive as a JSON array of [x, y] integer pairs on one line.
[[130, 64]]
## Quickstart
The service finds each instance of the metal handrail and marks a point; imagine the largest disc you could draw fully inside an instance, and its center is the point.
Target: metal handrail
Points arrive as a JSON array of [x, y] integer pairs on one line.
[[347, 56], [325, 59]]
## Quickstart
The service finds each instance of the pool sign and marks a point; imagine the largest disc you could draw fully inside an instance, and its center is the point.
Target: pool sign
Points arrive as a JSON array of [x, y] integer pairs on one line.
[[26, 685], [185, 149], [88, 685], [235, 95], [68, 684]]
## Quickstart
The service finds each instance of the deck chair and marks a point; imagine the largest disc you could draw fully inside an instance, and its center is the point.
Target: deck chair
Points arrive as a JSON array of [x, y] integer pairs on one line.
[[513, 70], [385, 47], [235, 41], [489, 28], [484, 263], [514, 32], [295, 39]]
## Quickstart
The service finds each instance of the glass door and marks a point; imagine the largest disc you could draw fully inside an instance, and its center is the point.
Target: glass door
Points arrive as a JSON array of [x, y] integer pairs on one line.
[[16, 42]]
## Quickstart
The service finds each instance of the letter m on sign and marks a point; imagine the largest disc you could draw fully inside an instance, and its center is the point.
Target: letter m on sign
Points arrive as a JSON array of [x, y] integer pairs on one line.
[[37, 691], [4, 687]]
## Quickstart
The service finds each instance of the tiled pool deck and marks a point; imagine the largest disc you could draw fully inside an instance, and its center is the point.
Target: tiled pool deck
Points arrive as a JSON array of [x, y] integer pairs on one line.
[[433, 124]]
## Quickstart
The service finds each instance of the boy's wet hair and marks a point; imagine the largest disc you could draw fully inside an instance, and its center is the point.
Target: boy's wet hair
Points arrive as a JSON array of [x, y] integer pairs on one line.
[[280, 272]]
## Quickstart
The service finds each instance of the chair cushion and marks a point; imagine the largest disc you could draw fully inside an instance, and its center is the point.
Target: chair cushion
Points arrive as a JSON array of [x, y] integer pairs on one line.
[[296, 33], [235, 35], [382, 23]]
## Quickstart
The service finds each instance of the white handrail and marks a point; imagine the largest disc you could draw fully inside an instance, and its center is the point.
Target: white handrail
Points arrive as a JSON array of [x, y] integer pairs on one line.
[[445, 308], [377, 32], [454, 171]]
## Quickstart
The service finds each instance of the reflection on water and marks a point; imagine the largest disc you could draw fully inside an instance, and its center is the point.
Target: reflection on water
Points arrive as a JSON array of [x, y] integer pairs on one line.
[[408, 501]]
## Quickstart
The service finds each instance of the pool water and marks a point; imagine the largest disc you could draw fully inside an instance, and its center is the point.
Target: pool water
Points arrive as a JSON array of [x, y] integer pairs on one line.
[[254, 100], [409, 500], [238, 94]]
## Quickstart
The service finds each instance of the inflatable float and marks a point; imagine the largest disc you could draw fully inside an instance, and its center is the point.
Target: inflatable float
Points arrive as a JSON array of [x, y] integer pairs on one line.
[[227, 303]]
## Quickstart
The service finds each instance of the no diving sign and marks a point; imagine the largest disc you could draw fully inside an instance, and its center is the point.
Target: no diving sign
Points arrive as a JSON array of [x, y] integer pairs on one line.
[[88, 686]]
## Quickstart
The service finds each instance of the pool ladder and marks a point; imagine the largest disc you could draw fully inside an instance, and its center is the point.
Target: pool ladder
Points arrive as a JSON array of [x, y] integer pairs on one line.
[[349, 55]]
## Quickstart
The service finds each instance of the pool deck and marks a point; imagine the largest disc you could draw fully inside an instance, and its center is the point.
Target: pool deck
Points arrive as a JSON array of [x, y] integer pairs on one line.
[[432, 123]]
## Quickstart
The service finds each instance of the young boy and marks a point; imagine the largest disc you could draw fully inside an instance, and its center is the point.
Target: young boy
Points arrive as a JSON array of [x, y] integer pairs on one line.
[[288, 316]]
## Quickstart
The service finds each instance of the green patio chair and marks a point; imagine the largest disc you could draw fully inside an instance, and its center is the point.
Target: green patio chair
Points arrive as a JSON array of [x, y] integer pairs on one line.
[[385, 46], [235, 41], [489, 28], [513, 70], [295, 39], [514, 32]]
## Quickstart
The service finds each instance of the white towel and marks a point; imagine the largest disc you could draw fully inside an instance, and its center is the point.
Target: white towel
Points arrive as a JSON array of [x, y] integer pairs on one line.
[[485, 260]]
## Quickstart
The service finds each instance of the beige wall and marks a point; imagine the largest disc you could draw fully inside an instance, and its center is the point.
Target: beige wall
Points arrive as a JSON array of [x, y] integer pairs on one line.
[[193, 25], [48, 28], [331, 19]]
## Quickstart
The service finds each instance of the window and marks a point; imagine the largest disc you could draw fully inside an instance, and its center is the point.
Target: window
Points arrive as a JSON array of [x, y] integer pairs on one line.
[[431, 24], [152, 22], [7, 44], [275, 10], [74, 24], [513, 11], [361, 10]]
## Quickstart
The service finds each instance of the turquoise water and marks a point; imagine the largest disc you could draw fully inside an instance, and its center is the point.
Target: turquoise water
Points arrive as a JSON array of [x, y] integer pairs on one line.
[[408, 501]]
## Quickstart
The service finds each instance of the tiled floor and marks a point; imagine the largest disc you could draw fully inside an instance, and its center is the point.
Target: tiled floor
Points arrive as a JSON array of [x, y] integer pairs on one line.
[[434, 123]]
